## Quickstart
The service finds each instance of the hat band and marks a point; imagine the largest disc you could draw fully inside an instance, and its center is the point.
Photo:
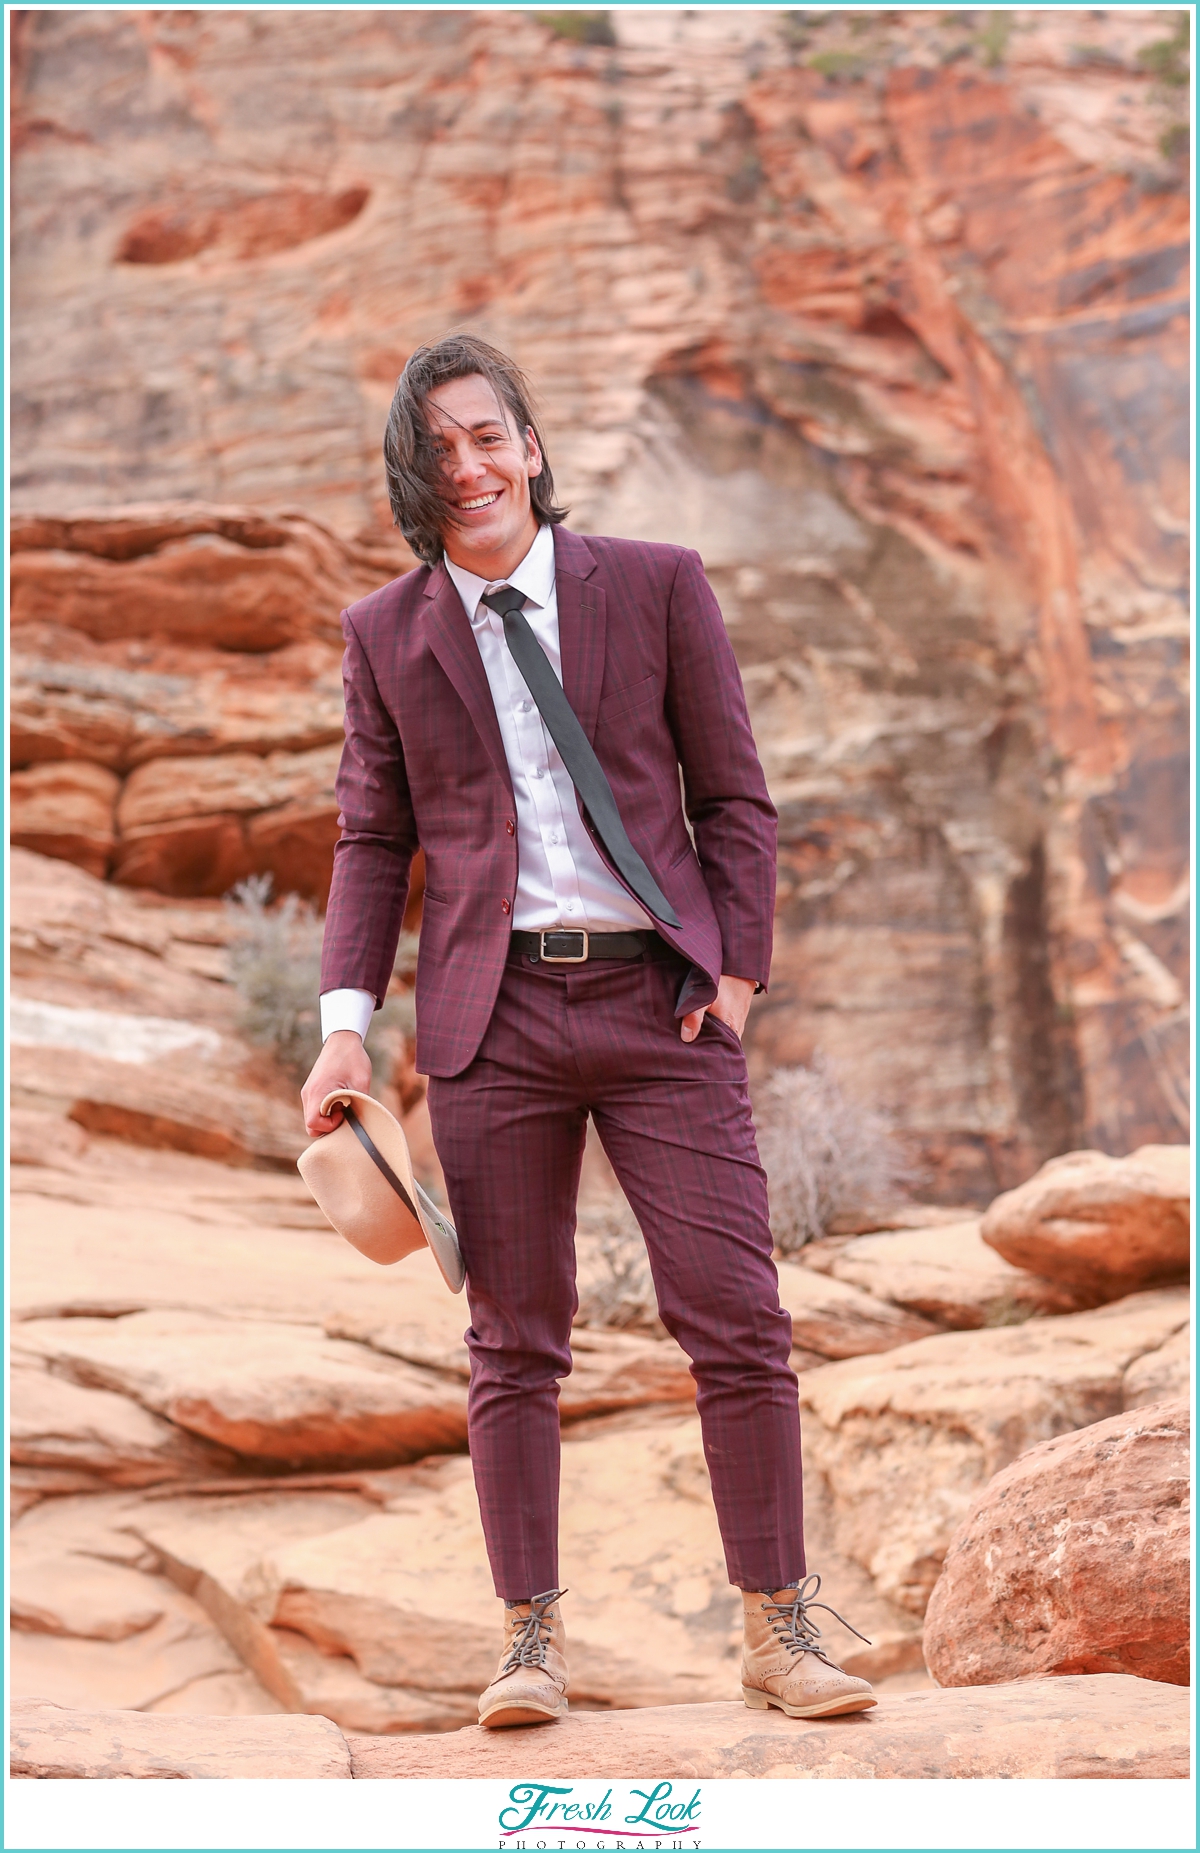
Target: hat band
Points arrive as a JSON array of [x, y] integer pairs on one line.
[[372, 1150]]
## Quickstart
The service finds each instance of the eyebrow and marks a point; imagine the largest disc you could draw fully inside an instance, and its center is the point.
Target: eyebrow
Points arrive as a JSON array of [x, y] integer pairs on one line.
[[480, 424]]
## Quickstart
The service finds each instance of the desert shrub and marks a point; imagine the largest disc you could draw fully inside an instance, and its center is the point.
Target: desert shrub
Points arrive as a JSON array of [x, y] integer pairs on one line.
[[1006, 1310], [839, 66], [616, 1289], [825, 1155], [275, 963], [586, 28], [1169, 59]]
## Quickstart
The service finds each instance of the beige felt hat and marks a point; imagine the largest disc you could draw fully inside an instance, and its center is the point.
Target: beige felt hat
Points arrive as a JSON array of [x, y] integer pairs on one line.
[[362, 1177]]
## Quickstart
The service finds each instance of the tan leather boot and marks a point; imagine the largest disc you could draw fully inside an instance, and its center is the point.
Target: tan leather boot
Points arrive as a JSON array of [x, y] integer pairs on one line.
[[530, 1686], [782, 1665]]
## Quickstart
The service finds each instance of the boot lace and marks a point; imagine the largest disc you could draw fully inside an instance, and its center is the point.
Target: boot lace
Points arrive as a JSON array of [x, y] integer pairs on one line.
[[529, 1643], [792, 1622]]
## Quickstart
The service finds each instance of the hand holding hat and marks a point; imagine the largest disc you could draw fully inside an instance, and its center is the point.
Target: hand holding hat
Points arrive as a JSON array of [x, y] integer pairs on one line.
[[362, 1177]]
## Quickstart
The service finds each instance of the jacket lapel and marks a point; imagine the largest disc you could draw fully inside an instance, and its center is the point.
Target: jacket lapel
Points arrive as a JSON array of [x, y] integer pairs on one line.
[[581, 626], [453, 644]]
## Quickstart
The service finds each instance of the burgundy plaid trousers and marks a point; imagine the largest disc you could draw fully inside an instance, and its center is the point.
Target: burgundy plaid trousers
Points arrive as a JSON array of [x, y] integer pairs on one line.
[[674, 1118]]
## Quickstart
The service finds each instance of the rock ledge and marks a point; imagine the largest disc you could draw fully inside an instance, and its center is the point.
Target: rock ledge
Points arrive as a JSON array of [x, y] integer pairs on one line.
[[1083, 1726]]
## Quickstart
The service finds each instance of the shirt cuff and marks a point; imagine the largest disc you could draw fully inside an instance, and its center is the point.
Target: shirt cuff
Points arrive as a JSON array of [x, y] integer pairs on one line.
[[346, 1010]]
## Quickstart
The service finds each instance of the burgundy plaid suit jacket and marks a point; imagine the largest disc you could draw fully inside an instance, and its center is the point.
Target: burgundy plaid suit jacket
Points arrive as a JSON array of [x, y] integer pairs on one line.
[[648, 668]]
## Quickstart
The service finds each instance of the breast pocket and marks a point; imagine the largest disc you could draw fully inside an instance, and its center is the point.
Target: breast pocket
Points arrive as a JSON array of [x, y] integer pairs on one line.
[[621, 701]]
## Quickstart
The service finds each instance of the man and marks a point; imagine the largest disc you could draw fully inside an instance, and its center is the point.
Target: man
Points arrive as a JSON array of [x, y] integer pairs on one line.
[[581, 953]]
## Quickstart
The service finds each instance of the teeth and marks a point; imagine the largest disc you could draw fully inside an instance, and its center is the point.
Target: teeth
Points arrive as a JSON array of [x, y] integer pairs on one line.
[[481, 501]]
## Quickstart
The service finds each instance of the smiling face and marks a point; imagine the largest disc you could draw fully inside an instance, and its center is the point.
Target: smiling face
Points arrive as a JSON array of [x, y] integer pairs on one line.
[[486, 466]]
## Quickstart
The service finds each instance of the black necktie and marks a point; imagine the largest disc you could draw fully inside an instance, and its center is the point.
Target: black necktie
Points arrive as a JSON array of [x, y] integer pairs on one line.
[[575, 750]]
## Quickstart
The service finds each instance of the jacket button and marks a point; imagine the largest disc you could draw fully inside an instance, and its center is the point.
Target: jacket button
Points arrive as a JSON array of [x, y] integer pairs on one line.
[[510, 826], [506, 907]]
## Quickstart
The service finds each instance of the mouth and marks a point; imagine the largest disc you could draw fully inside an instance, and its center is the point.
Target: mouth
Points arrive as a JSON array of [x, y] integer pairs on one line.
[[482, 501]]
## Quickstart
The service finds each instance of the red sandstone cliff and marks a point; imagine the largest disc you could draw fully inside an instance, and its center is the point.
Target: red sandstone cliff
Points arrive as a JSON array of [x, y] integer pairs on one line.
[[884, 313]]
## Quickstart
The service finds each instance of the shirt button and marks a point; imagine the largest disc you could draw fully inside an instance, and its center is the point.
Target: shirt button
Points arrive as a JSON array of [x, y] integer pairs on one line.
[[510, 826], [524, 706], [506, 907], [536, 773]]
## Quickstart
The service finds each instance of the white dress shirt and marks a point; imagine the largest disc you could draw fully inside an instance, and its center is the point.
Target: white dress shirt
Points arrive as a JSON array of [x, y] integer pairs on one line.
[[561, 880]]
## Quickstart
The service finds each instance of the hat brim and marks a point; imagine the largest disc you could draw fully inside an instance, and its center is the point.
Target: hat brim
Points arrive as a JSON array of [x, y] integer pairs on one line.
[[366, 1187]]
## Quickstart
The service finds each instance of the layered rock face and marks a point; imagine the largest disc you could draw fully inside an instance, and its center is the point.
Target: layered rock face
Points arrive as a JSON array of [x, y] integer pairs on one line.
[[177, 692], [884, 313]]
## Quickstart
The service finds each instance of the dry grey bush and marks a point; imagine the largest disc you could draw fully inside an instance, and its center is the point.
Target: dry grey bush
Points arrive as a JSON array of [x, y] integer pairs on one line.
[[275, 963], [825, 1155], [616, 1287]]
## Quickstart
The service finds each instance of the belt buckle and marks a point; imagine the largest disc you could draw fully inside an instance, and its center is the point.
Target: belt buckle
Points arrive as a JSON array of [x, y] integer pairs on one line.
[[565, 958]]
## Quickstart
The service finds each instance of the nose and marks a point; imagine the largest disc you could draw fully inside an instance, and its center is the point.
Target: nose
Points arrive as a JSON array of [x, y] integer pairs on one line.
[[466, 465]]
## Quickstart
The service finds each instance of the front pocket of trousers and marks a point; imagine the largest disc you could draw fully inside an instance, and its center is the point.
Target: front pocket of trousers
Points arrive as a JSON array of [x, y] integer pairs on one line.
[[723, 1029]]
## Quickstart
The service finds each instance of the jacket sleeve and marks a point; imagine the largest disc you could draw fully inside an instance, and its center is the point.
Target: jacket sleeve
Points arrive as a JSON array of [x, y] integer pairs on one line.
[[725, 791], [371, 863]]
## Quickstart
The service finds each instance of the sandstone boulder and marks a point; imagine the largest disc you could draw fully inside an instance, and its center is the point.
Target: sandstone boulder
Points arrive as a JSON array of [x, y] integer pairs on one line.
[[906, 1440], [138, 1668], [57, 1424], [215, 1550], [66, 810], [271, 1393], [311, 1679], [1163, 1375], [1105, 1225], [1076, 1728], [1075, 1559], [50, 1742], [950, 1276], [284, 1663], [834, 1319], [81, 1598]]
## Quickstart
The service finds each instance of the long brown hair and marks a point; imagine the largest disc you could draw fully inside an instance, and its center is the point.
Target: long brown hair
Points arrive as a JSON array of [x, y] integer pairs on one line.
[[415, 485]]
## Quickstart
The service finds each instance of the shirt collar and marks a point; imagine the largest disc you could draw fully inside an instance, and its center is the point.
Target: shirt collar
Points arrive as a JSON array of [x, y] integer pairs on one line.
[[534, 576]]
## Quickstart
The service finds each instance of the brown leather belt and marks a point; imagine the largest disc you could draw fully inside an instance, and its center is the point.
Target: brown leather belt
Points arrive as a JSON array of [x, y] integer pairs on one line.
[[575, 946]]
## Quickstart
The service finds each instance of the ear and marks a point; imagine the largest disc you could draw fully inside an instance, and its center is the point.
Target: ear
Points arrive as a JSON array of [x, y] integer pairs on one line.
[[532, 452]]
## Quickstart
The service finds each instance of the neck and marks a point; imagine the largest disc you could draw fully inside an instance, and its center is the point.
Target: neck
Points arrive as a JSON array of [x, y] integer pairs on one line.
[[491, 565]]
